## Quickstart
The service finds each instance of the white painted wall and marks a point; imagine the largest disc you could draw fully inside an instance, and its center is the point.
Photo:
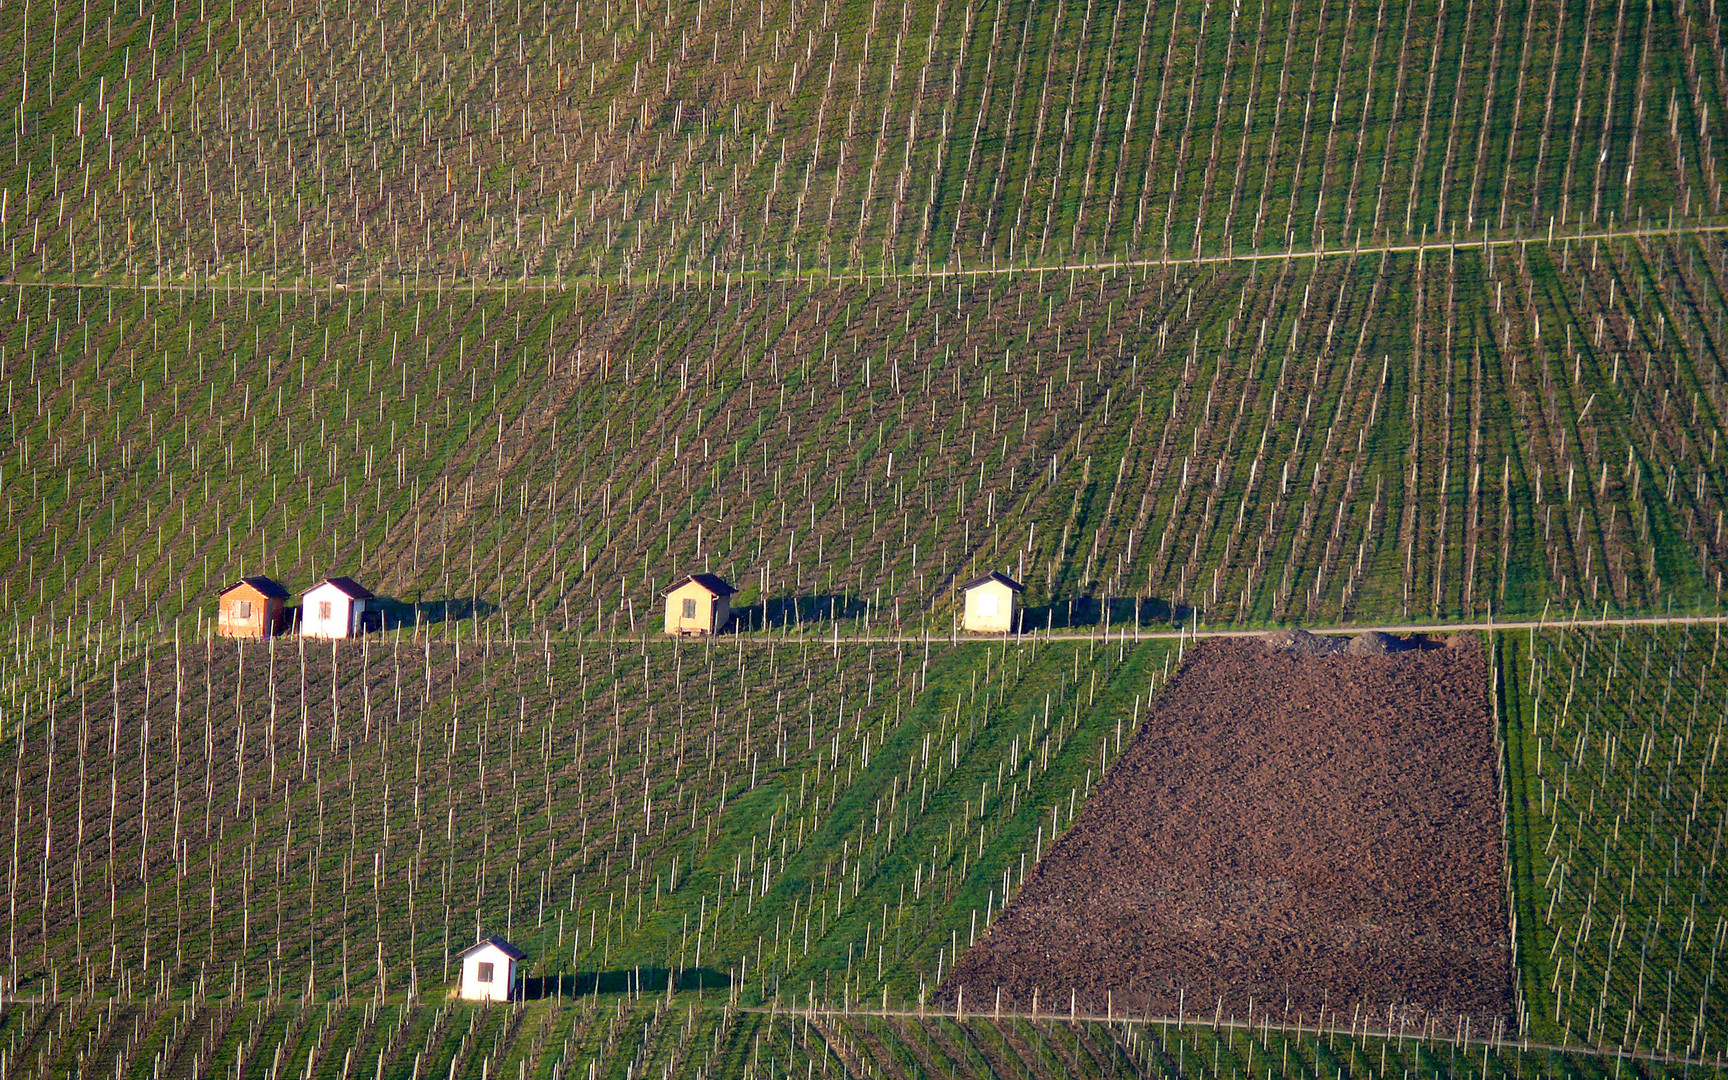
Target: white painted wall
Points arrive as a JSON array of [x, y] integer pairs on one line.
[[342, 619], [503, 980]]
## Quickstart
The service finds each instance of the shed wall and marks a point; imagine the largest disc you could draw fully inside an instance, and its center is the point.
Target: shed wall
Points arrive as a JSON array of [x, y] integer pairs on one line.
[[711, 612], [503, 976], [262, 622], [990, 609], [343, 614]]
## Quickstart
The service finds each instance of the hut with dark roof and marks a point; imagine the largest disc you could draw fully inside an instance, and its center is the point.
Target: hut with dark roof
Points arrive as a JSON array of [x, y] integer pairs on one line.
[[335, 608], [992, 604], [253, 607], [489, 970], [698, 604]]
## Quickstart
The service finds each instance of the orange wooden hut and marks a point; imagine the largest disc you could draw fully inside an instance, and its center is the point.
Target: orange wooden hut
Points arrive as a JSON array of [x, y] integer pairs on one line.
[[253, 607]]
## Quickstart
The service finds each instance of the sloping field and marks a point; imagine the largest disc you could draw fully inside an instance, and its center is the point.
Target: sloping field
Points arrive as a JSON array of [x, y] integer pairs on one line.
[[333, 140], [329, 822], [1278, 313], [1308, 833], [1289, 313], [1392, 437], [232, 841], [617, 1036], [1618, 806]]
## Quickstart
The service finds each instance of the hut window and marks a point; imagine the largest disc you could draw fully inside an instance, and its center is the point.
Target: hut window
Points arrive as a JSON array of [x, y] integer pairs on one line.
[[987, 604], [485, 973], [323, 609], [689, 609], [243, 608]]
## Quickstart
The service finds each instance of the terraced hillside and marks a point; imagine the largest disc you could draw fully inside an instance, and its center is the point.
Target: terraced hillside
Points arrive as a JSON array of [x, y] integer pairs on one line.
[[1412, 436], [1281, 312], [1285, 313], [337, 140], [309, 822]]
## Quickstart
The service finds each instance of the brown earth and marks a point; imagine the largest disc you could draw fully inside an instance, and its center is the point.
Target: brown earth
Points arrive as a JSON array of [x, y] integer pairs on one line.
[[1299, 830]]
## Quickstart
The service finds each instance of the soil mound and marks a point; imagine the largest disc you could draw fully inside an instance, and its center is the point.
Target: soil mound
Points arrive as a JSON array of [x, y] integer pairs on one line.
[[1303, 643], [1306, 832], [1375, 643]]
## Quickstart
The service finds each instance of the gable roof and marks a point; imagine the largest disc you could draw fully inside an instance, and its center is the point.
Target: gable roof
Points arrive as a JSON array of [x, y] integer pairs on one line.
[[713, 583], [993, 576], [262, 585], [348, 587], [495, 942]]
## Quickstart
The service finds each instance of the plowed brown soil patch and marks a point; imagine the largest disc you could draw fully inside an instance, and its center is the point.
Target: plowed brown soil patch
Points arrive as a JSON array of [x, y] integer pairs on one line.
[[1296, 830]]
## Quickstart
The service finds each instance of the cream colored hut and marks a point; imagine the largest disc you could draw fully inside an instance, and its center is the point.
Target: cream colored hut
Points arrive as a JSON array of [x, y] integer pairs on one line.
[[489, 970], [334, 608], [698, 604], [992, 604]]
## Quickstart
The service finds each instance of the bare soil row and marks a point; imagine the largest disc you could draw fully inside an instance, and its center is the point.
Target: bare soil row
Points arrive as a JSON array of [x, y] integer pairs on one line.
[[1296, 831]]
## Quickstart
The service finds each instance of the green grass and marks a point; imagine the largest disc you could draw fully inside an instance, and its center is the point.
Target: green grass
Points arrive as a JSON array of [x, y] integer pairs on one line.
[[554, 457], [1615, 828], [624, 1035], [563, 141], [597, 804]]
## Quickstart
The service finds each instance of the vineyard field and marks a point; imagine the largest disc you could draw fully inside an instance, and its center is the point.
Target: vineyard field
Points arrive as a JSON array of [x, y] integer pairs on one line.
[[1616, 812], [624, 1035], [1295, 442], [1195, 319], [317, 822], [331, 142]]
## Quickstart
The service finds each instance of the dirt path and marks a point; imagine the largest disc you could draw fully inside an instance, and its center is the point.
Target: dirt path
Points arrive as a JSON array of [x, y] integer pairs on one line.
[[376, 282], [1371, 1030], [1122, 633]]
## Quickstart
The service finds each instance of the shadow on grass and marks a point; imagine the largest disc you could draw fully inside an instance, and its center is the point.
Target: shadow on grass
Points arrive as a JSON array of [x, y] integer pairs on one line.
[[647, 980], [1091, 612], [399, 614], [796, 611]]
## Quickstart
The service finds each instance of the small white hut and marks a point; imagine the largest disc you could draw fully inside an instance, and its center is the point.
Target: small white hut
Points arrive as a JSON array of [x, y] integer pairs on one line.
[[489, 969], [992, 604], [334, 608]]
